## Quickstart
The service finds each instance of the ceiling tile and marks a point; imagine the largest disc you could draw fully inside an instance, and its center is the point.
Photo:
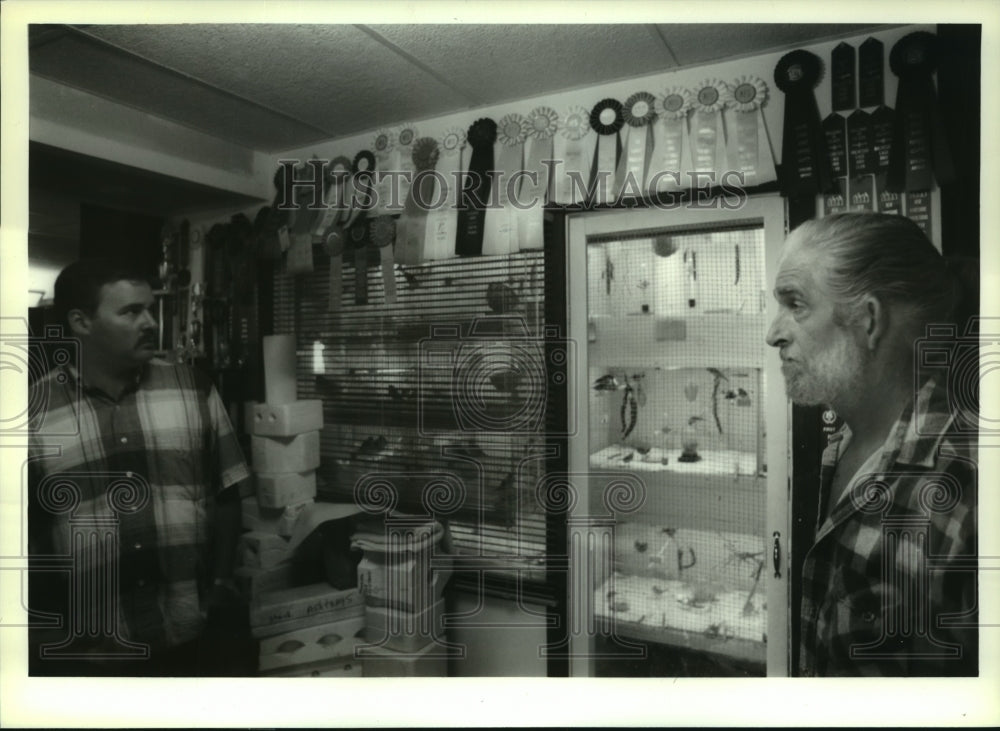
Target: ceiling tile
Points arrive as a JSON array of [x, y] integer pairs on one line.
[[497, 63], [698, 43], [81, 63], [334, 77]]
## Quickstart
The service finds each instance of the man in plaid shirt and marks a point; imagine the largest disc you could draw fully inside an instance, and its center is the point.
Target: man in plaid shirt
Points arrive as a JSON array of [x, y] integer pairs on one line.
[[133, 451], [889, 581]]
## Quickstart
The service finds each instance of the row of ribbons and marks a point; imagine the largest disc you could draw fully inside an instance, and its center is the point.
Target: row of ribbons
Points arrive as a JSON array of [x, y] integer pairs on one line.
[[482, 191]]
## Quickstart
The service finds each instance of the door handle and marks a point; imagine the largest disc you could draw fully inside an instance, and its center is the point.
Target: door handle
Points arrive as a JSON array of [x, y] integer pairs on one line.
[[776, 554]]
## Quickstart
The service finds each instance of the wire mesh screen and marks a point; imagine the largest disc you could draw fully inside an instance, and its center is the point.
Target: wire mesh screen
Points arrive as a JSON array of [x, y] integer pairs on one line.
[[675, 362], [449, 381]]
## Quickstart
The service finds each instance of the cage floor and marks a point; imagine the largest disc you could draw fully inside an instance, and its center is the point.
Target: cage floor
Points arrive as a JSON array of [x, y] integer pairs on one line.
[[681, 613], [712, 462]]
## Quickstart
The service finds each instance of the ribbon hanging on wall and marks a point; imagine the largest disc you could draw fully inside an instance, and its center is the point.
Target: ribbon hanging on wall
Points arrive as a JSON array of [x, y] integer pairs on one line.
[[383, 235], [708, 135], [882, 123], [500, 225], [672, 151], [804, 165], [299, 259], [475, 193], [919, 152], [405, 139], [607, 121], [411, 228], [359, 239], [835, 135], [749, 147], [871, 63], [542, 124], [843, 67], [442, 219], [386, 162], [639, 113], [573, 150], [860, 162], [334, 244], [338, 171]]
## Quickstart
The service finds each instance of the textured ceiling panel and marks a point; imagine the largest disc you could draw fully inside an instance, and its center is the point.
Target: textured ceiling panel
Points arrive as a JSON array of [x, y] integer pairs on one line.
[[705, 42], [497, 63], [84, 64], [335, 77]]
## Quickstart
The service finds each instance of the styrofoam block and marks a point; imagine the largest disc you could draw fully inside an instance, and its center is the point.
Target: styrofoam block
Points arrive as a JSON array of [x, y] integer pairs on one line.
[[258, 519], [286, 420], [278, 490], [259, 550], [319, 602], [285, 454], [252, 582], [427, 662], [395, 629], [311, 644], [338, 668]]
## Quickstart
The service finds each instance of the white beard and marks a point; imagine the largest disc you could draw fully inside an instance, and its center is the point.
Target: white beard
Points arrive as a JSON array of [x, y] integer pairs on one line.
[[828, 377]]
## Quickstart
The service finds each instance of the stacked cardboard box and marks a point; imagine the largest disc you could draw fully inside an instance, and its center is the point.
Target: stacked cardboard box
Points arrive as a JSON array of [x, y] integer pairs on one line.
[[403, 599]]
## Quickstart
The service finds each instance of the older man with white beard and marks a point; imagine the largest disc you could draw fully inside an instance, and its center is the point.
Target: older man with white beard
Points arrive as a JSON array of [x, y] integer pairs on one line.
[[889, 584]]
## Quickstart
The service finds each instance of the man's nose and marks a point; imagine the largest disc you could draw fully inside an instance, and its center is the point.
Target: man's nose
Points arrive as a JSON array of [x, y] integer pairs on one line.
[[148, 321], [776, 336]]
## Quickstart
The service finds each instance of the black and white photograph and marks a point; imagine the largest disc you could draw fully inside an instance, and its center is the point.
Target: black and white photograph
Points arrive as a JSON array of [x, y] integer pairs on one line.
[[498, 363]]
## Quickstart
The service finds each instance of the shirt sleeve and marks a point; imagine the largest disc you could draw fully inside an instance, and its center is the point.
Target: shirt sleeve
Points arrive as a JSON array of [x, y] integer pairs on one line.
[[230, 465]]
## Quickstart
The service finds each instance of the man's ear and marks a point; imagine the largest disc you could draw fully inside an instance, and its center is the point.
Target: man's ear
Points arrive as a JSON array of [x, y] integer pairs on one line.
[[79, 321], [875, 320]]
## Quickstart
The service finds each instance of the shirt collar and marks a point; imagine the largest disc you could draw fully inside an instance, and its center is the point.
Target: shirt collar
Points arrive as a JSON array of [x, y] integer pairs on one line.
[[75, 378]]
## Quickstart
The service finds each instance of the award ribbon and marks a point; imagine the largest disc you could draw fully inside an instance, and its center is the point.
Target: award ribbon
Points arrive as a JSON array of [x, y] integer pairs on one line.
[[411, 228], [572, 148], [919, 152], [404, 163], [334, 245], [882, 122], [387, 160], [337, 172], [671, 153], [842, 82], [708, 135], [358, 234], [606, 119], [500, 235], [542, 124], [871, 85], [860, 162], [475, 193], [835, 134], [442, 221], [639, 113], [749, 149], [383, 234], [299, 259], [804, 164]]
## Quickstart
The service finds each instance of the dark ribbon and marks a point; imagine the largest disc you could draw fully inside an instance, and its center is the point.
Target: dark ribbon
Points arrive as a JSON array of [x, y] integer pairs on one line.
[[605, 130], [919, 152], [842, 82], [476, 191], [805, 169], [871, 85], [359, 238]]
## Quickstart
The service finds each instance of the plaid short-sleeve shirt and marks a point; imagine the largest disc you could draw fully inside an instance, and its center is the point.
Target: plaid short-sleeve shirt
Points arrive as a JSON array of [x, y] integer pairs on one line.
[[889, 583], [143, 469]]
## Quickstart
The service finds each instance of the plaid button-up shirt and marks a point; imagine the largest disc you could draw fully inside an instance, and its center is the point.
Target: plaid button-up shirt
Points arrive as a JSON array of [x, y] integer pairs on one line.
[[146, 469], [889, 584]]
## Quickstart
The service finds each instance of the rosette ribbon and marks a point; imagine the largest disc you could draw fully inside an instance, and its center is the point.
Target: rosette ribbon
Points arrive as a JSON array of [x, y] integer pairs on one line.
[[304, 216], [358, 239], [334, 243], [639, 113], [672, 151], [442, 219], [411, 228], [919, 151], [500, 225], [607, 120], [475, 193], [542, 124], [573, 150], [804, 163], [708, 131], [386, 162], [749, 149]]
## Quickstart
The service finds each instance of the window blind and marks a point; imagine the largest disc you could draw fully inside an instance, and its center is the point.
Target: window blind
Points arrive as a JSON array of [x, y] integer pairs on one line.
[[444, 396]]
